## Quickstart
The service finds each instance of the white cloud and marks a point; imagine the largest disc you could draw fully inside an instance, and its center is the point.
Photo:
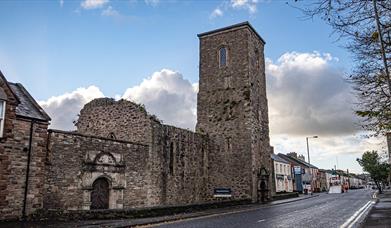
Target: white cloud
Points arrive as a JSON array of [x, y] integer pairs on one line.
[[152, 2], [216, 13], [63, 109], [169, 96], [93, 4], [307, 96], [110, 12], [250, 5]]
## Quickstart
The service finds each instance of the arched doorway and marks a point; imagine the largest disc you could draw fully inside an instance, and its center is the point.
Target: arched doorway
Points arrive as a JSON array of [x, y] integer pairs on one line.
[[100, 194], [263, 185]]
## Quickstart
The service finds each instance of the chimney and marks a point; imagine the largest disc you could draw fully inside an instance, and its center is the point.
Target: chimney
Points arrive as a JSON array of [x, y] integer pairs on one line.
[[301, 157], [292, 154]]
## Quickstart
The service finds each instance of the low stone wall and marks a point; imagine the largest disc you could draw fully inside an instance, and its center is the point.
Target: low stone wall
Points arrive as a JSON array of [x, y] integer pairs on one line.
[[67, 215], [285, 195]]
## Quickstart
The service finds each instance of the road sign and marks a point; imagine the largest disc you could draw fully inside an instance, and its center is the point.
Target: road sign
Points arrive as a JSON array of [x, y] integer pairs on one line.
[[297, 170]]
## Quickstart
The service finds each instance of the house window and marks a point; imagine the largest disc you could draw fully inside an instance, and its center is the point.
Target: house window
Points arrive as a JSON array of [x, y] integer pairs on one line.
[[2, 115], [223, 56]]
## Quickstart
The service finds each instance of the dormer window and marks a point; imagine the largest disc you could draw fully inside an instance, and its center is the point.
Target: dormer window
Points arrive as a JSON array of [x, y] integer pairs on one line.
[[223, 57]]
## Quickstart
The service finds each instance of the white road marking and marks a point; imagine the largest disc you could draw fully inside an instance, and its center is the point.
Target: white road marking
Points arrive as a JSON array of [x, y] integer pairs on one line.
[[262, 220], [356, 216], [362, 213]]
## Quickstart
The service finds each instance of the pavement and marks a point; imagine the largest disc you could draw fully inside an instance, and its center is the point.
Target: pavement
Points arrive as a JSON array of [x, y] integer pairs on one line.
[[380, 214], [318, 210]]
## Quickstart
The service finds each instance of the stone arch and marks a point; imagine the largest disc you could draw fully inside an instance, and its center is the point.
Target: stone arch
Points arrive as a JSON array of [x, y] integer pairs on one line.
[[100, 194], [263, 184]]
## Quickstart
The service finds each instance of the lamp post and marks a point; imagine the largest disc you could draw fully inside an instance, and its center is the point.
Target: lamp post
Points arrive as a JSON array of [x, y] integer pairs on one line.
[[308, 154], [308, 148]]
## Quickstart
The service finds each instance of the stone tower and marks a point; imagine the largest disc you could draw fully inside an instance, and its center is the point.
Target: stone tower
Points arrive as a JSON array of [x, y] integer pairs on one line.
[[232, 110]]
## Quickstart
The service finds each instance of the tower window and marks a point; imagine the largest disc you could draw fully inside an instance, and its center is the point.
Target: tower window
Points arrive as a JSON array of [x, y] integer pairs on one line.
[[223, 56], [257, 56], [171, 163]]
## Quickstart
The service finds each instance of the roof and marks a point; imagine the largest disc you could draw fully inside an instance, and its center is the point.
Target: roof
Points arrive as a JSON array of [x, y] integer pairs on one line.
[[8, 86], [243, 24], [277, 158], [297, 161], [27, 107]]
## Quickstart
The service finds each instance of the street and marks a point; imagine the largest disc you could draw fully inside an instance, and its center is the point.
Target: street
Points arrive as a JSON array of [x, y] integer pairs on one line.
[[326, 210]]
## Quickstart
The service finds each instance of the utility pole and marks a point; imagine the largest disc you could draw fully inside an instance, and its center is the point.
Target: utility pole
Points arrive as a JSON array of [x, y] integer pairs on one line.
[[309, 162], [308, 148]]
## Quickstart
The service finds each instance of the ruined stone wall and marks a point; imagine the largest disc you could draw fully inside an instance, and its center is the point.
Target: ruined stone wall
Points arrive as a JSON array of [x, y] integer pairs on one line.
[[123, 120], [73, 165], [224, 108], [185, 166], [176, 159]]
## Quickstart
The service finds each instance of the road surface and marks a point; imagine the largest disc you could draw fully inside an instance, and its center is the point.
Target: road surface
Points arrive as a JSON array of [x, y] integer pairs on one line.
[[326, 210]]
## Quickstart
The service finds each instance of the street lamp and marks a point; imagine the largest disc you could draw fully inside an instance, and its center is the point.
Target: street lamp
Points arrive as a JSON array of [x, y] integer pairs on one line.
[[308, 153], [308, 148]]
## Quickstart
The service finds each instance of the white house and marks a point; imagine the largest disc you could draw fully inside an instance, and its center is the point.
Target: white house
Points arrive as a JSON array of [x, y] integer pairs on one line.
[[282, 174]]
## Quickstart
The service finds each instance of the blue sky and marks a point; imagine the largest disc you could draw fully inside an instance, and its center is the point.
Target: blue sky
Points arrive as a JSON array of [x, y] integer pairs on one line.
[[54, 49], [69, 52]]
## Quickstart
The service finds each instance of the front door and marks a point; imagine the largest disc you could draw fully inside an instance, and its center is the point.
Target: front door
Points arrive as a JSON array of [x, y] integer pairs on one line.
[[100, 194]]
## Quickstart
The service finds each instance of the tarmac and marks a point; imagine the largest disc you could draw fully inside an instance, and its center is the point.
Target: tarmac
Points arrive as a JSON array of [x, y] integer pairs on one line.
[[150, 220], [380, 214]]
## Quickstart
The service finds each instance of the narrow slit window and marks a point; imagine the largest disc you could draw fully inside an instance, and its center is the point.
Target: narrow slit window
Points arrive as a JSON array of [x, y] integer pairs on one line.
[[223, 56], [171, 163]]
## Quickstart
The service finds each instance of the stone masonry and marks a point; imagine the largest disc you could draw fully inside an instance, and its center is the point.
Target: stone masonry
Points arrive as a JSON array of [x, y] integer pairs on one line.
[[122, 157], [232, 109]]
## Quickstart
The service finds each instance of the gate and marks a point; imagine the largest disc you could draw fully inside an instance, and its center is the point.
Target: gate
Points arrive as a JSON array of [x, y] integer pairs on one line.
[[100, 194]]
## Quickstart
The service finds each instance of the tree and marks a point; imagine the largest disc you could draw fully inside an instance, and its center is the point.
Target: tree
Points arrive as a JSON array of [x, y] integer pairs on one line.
[[378, 170], [366, 26]]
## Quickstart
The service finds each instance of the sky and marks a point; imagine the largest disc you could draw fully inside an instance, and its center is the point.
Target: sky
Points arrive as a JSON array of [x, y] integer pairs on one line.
[[67, 53]]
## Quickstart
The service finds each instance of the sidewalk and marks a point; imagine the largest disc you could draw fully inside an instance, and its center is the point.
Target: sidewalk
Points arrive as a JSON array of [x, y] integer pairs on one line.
[[152, 220], [380, 214]]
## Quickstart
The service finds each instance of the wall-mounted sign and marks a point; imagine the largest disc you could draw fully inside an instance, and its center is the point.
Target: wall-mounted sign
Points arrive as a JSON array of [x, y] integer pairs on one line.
[[222, 192], [297, 170], [279, 176]]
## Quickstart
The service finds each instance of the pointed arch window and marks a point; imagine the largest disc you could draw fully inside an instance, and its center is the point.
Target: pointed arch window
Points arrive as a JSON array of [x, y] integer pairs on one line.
[[223, 56]]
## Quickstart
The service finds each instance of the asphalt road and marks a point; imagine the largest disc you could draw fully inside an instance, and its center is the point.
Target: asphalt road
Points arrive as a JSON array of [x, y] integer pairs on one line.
[[326, 210]]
